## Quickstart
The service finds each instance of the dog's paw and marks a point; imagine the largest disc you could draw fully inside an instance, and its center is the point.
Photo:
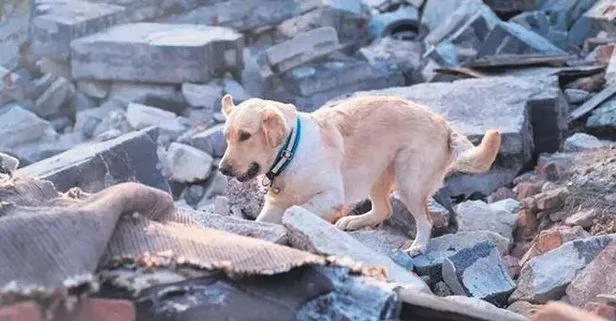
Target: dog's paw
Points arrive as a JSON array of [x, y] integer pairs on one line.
[[416, 249], [350, 223]]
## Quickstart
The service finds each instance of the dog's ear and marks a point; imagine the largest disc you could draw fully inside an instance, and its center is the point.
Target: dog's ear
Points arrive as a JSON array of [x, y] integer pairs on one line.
[[227, 104], [272, 122]]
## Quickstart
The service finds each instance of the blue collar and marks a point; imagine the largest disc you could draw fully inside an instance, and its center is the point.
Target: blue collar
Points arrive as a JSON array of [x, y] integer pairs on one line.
[[286, 153]]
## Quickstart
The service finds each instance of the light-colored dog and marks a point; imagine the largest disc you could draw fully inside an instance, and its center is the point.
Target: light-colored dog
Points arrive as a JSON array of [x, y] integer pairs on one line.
[[360, 148]]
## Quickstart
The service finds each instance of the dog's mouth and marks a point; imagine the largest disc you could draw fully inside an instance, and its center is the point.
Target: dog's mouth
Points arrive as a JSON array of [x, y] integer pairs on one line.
[[251, 173]]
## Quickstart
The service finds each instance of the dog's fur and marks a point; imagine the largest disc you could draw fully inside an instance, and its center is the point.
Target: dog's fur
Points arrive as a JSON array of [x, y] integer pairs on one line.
[[360, 148]]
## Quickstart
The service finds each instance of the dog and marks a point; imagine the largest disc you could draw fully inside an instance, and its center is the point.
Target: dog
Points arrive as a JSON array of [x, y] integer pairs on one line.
[[328, 160]]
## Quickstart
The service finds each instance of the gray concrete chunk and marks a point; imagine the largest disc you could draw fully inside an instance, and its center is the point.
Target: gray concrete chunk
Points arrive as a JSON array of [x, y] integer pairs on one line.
[[52, 100], [19, 126], [478, 272], [164, 53], [303, 48], [188, 164], [64, 21], [479, 216], [309, 232], [512, 38]]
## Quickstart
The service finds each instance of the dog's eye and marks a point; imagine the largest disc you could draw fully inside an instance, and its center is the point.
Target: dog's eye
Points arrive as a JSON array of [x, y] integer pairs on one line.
[[244, 136]]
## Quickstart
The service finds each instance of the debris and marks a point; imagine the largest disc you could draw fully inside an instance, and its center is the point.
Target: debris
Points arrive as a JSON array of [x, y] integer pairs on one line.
[[595, 279], [592, 103], [479, 216], [188, 164], [303, 48], [387, 23], [52, 100], [576, 96], [211, 140], [478, 272], [19, 126], [93, 88], [580, 142], [205, 95]]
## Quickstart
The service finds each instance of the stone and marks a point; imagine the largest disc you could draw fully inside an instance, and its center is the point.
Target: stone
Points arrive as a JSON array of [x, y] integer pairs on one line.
[[552, 199], [314, 84], [523, 308], [384, 240], [600, 15], [604, 117], [265, 231], [55, 67], [80, 102], [500, 194], [509, 205], [93, 88], [215, 186], [235, 89], [242, 15], [595, 279], [303, 48], [550, 239], [87, 121], [403, 220], [512, 38], [546, 277], [582, 218], [528, 189], [165, 53], [479, 216], [478, 272], [580, 142], [202, 96], [576, 96], [64, 21], [141, 116], [53, 99], [387, 23], [406, 55], [95, 166], [211, 140], [441, 247], [309, 232], [246, 197], [513, 266], [435, 12], [19, 126], [562, 311], [188, 164], [513, 101]]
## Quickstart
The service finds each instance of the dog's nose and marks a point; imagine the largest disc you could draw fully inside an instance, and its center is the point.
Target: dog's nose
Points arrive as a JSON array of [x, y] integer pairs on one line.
[[226, 169]]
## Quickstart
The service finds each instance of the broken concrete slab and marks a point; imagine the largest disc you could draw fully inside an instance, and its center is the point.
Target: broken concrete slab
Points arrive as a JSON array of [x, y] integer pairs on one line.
[[61, 22], [19, 126], [309, 232], [141, 116], [211, 140], [512, 38], [188, 164], [86, 121], [531, 114], [478, 272], [50, 103], [546, 277], [265, 231], [95, 166], [303, 48], [479, 216], [243, 15], [93, 88], [202, 95], [406, 54], [165, 53]]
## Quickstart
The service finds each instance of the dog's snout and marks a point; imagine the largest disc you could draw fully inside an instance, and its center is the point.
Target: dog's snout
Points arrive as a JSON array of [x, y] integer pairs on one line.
[[226, 169]]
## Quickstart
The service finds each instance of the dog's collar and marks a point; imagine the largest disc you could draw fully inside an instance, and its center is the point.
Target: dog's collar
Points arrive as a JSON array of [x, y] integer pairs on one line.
[[285, 155]]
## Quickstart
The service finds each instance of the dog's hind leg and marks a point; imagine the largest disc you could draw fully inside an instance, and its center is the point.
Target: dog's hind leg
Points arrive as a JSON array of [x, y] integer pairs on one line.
[[381, 207]]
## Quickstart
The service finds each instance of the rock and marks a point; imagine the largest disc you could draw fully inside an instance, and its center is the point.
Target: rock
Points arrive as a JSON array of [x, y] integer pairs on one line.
[[88, 120], [528, 189], [348, 17], [545, 277], [164, 53], [188, 164], [406, 54], [387, 23], [301, 49], [553, 238], [595, 279], [488, 310], [248, 197], [243, 15], [435, 12], [582, 218], [523, 308], [441, 247], [576, 96], [202, 96], [265, 231], [604, 117], [552, 199], [80, 102], [309, 232], [478, 272], [479, 216], [384, 240], [513, 266], [315, 83], [211, 140], [141, 116], [232, 87], [511, 38], [93, 88], [512, 99], [540, 22], [93, 167], [55, 67], [52, 100], [19, 126], [215, 186], [500, 194], [579, 142], [600, 17], [507, 205], [64, 21], [403, 220]]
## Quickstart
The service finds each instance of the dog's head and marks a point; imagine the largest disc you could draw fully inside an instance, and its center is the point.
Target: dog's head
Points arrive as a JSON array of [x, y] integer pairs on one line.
[[254, 131]]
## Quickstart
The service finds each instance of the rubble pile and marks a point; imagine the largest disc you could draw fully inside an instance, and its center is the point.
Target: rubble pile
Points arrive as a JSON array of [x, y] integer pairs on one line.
[[99, 92]]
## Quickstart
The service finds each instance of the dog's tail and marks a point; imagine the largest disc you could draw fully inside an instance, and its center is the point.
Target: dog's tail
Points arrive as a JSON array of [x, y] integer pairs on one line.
[[469, 158]]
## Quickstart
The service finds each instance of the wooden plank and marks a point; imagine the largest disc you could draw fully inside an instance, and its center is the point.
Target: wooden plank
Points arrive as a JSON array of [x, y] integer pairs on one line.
[[593, 102], [460, 72], [519, 60]]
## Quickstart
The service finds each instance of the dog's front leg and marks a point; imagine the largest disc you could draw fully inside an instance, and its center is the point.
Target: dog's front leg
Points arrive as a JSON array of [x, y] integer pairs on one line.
[[329, 205], [271, 212]]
